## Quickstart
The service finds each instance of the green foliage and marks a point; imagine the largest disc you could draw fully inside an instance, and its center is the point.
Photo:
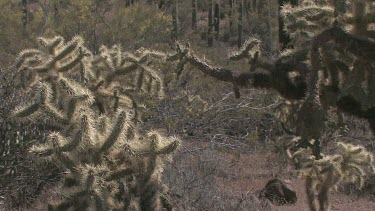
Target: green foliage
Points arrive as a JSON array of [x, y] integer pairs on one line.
[[89, 100]]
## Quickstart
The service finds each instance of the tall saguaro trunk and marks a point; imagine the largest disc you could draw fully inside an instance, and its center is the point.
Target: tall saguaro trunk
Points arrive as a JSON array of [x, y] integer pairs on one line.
[[25, 13], [210, 35], [240, 24], [232, 13], [284, 38], [175, 20], [217, 20], [194, 9]]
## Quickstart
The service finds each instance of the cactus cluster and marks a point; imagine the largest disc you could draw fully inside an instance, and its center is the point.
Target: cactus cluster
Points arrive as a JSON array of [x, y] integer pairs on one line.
[[331, 66], [351, 163], [315, 73], [88, 100]]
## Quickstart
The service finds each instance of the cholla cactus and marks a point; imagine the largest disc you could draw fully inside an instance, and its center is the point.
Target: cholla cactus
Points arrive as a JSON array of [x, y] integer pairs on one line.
[[111, 165], [351, 163]]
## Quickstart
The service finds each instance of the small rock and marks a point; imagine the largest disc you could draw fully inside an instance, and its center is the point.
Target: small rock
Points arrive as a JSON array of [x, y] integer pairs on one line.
[[279, 192]]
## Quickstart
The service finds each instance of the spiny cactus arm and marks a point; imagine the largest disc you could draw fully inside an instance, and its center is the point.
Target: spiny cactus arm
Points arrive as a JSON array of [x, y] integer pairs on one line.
[[124, 98], [56, 143], [330, 180], [73, 88], [44, 91], [265, 75], [26, 57], [139, 79], [72, 200], [117, 55], [357, 162], [38, 62], [68, 162], [292, 60], [219, 73], [311, 192], [248, 50], [169, 148], [333, 68], [26, 111], [356, 173], [52, 43], [119, 174], [306, 20], [124, 70], [76, 101], [142, 52], [71, 48], [180, 66], [51, 111], [285, 143], [115, 133], [71, 63], [150, 196], [360, 47]]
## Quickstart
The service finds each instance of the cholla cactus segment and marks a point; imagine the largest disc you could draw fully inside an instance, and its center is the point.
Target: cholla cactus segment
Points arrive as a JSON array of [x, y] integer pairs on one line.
[[155, 144], [96, 138], [306, 20], [351, 163], [248, 50], [356, 163]]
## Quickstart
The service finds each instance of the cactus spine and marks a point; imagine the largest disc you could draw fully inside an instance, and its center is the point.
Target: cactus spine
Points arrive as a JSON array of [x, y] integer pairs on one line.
[[210, 36], [194, 11]]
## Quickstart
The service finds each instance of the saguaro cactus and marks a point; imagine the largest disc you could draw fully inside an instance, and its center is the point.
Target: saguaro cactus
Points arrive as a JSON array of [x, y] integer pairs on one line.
[[217, 20], [210, 36], [232, 12], [175, 32], [240, 23], [25, 13], [194, 11]]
